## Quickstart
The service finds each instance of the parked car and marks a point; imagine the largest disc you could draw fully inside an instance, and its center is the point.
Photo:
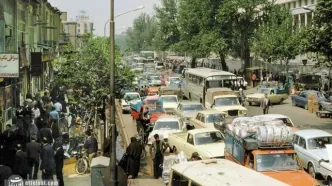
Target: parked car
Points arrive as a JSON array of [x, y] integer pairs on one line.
[[310, 146], [301, 99], [128, 99], [207, 118], [187, 110], [208, 143], [164, 126]]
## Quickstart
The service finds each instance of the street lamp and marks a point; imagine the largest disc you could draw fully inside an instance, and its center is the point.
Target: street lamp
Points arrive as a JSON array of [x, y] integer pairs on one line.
[[133, 10]]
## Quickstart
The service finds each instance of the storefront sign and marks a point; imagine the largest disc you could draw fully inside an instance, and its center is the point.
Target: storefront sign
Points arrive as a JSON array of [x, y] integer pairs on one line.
[[9, 65]]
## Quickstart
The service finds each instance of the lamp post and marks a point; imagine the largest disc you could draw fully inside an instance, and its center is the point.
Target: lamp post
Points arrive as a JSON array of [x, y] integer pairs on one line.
[[133, 10], [114, 179]]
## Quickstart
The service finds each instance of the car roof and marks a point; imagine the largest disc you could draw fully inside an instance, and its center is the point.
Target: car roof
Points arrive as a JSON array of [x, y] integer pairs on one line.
[[225, 96], [190, 103], [211, 111], [168, 118], [312, 133], [202, 130]]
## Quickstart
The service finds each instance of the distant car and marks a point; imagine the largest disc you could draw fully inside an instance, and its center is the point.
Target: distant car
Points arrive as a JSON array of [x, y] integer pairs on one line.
[[302, 98], [177, 84], [170, 79], [155, 80], [207, 118], [187, 110], [159, 65], [310, 146], [128, 99]]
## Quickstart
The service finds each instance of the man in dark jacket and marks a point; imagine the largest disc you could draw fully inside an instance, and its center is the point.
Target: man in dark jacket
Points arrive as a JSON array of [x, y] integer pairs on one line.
[[46, 132], [21, 166], [55, 129], [91, 146], [134, 151], [58, 158], [33, 151], [47, 165]]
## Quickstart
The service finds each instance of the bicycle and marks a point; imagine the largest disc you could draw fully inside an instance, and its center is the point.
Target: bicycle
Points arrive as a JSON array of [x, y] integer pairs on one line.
[[82, 163]]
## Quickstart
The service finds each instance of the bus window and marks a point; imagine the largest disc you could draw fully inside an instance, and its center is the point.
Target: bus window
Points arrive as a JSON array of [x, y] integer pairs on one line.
[[178, 180]]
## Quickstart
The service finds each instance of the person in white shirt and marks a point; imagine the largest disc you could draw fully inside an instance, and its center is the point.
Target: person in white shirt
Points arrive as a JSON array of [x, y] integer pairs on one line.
[[36, 114], [266, 104]]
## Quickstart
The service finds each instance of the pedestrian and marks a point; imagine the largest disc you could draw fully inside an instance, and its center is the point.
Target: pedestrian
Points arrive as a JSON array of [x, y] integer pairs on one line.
[[195, 157], [55, 129], [253, 79], [21, 166], [5, 173], [59, 158], [134, 151], [58, 106], [36, 114], [45, 132], [157, 150], [47, 165], [91, 146], [45, 98], [266, 104], [54, 114], [34, 132], [33, 152]]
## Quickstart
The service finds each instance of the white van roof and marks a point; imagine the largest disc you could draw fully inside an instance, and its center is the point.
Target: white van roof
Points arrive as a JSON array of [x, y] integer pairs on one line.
[[217, 172]]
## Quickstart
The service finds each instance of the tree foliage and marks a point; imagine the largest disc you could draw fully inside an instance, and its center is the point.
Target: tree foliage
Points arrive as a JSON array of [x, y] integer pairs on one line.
[[87, 72], [141, 35], [319, 37]]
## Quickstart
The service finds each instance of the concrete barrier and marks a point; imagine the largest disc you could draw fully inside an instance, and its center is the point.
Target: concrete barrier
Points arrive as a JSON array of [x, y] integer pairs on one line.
[[121, 125]]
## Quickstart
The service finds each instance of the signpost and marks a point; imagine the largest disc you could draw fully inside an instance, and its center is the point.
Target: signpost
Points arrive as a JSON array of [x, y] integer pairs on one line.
[[9, 65]]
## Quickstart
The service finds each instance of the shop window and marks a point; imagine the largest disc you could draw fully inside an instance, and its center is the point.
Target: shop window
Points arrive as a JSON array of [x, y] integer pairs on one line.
[[179, 180]]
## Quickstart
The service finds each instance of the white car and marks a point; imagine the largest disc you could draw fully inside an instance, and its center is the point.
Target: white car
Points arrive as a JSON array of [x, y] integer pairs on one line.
[[159, 65], [169, 79], [128, 99], [164, 126], [310, 146], [155, 80], [170, 102]]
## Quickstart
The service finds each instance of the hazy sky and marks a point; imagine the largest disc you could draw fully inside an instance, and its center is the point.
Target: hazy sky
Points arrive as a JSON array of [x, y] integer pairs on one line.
[[99, 11]]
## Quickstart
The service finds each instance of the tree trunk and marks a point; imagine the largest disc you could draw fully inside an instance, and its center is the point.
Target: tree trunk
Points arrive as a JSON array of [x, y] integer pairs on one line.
[[223, 63], [193, 62]]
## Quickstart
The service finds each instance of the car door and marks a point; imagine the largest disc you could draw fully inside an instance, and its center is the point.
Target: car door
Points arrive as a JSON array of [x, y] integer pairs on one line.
[[202, 121], [189, 146], [197, 120], [301, 149], [273, 97]]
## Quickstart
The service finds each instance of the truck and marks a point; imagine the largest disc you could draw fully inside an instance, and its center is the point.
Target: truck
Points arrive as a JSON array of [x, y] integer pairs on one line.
[[207, 142], [224, 100], [217, 172], [276, 160]]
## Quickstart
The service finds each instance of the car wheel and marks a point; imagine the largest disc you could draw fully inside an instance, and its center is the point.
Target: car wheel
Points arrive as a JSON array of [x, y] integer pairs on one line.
[[311, 170], [306, 106], [281, 101], [250, 103]]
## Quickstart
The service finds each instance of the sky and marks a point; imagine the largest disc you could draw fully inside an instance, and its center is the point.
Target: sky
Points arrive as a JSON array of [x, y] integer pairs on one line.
[[99, 12]]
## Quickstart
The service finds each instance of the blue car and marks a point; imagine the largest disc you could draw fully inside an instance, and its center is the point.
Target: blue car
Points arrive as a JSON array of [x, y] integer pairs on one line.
[[302, 98]]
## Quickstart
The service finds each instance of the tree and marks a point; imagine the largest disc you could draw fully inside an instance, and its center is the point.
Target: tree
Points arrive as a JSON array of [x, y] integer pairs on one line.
[[319, 37], [167, 33], [276, 37], [141, 35], [87, 72]]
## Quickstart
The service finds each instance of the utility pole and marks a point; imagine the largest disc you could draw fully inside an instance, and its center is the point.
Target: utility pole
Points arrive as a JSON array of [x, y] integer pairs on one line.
[[114, 179]]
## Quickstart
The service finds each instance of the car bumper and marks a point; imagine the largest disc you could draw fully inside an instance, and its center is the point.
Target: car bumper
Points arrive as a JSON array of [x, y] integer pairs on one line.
[[126, 108], [253, 100]]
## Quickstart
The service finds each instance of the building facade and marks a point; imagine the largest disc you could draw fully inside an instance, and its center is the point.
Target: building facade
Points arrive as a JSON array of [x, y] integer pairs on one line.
[[30, 30]]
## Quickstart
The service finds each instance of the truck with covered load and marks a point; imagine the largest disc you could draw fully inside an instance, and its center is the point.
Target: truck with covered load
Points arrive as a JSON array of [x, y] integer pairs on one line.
[[266, 147]]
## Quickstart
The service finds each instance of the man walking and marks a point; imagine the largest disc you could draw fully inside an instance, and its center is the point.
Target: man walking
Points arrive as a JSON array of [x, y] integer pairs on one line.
[[91, 146], [21, 167], [58, 158], [54, 114], [46, 133], [134, 151], [33, 151], [157, 150], [47, 165], [266, 104]]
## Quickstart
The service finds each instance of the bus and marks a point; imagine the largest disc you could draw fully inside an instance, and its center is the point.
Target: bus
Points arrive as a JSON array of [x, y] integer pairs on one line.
[[198, 80]]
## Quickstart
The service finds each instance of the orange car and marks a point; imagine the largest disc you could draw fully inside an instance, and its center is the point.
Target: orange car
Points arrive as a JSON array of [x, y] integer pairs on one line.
[[152, 91]]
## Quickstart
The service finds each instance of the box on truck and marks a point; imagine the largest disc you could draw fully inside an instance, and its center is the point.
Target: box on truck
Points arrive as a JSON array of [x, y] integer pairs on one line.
[[267, 149], [217, 172]]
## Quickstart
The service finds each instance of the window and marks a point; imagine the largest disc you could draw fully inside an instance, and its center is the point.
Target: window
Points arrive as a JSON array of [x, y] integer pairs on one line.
[[294, 4], [300, 3], [198, 117], [296, 139], [79, 30], [302, 143], [203, 119], [305, 2], [190, 139], [312, 2], [179, 180]]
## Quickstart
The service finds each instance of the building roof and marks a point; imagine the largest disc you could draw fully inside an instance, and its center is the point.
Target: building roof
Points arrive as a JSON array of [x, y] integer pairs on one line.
[[312, 133]]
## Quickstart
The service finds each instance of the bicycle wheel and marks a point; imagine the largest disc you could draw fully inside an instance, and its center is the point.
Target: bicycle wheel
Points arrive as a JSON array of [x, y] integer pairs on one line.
[[81, 166]]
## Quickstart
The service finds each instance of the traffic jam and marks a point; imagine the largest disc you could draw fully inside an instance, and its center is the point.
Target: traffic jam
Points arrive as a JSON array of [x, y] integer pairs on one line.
[[202, 112]]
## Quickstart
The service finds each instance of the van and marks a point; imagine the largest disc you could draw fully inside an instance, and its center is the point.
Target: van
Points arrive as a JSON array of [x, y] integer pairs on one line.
[[217, 172]]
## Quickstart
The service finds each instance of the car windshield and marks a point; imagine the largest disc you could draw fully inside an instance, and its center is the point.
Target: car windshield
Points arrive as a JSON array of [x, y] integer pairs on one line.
[[264, 91], [227, 101], [319, 143], [160, 64], [167, 125], [192, 107], [155, 78], [277, 162], [208, 137], [131, 96], [169, 99], [214, 118]]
